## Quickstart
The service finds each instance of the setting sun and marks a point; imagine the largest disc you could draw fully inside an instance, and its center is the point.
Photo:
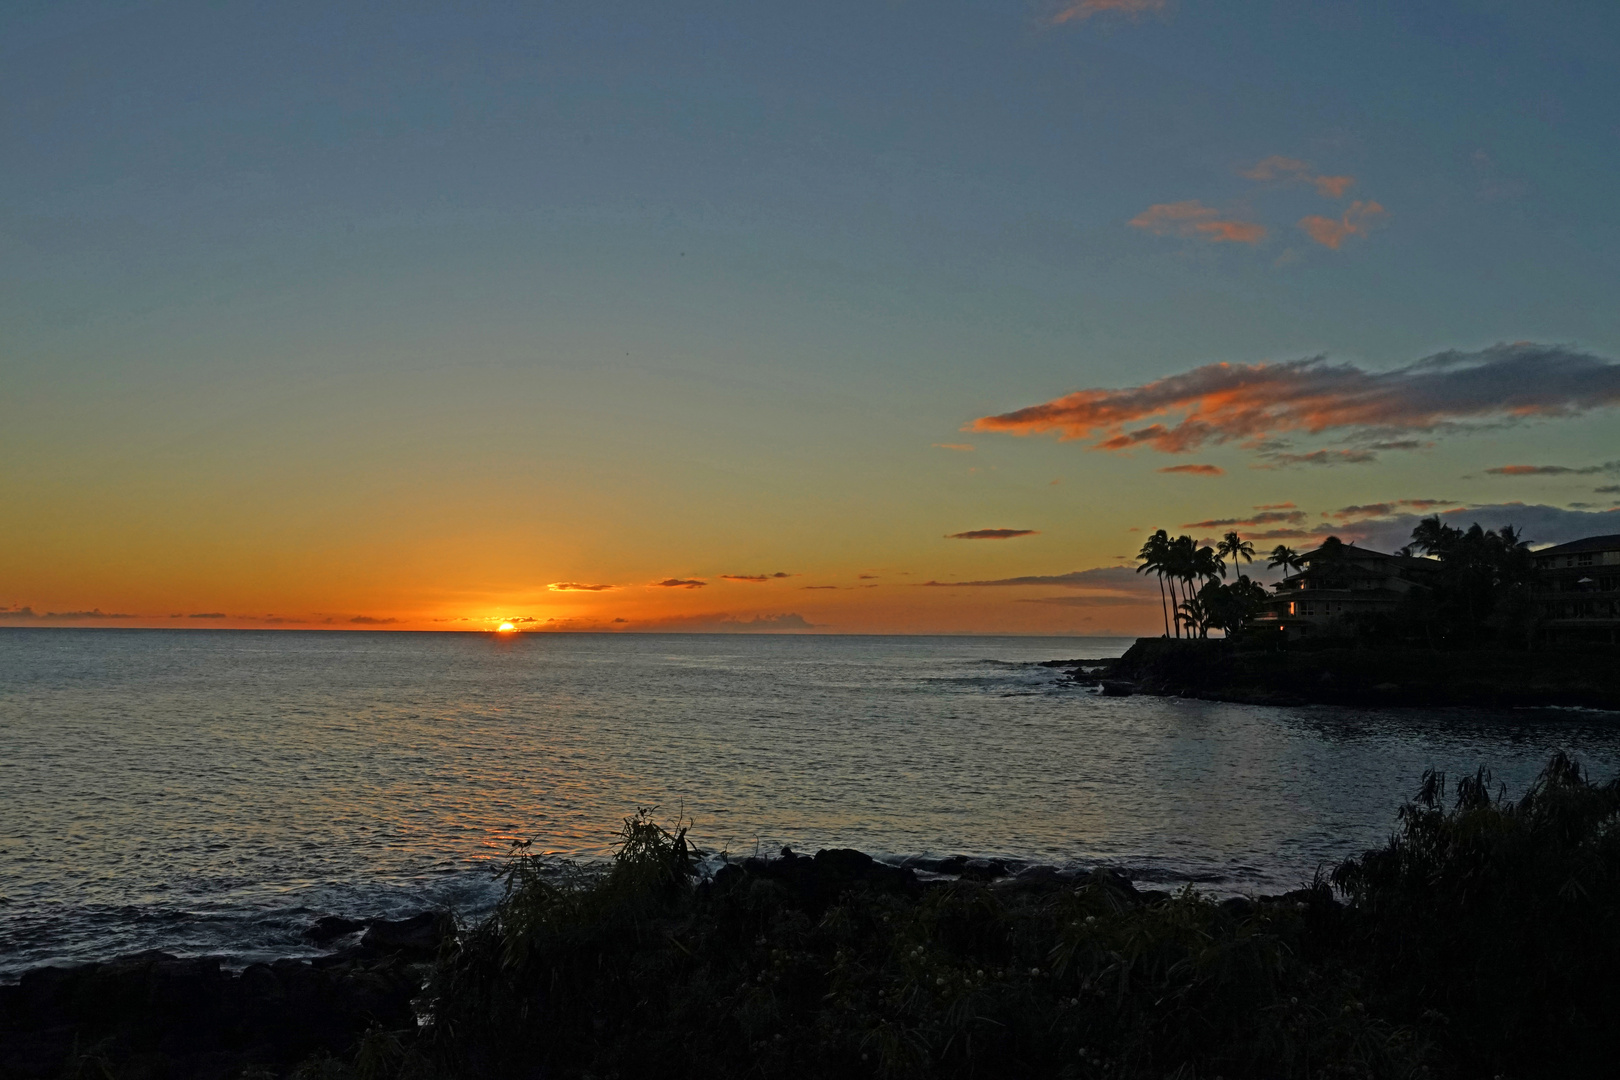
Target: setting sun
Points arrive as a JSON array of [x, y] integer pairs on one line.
[[505, 628]]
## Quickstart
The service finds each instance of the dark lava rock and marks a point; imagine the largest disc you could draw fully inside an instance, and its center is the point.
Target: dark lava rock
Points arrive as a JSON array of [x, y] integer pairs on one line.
[[419, 934], [157, 1015], [328, 928], [816, 882], [1116, 883], [933, 864], [983, 870]]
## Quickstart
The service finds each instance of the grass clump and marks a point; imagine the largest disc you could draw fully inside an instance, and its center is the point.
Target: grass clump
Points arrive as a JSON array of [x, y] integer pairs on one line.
[[1499, 921], [1475, 944]]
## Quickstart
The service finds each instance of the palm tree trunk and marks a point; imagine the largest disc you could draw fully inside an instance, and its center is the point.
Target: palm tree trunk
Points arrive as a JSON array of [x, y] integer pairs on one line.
[[1162, 609]]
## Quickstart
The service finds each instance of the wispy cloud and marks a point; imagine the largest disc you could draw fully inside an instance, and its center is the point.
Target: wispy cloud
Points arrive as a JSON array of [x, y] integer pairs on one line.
[[1607, 489], [1320, 457], [721, 623], [370, 620], [990, 534], [1121, 580], [1195, 470], [28, 613], [1539, 524], [1448, 392], [207, 615], [1277, 167], [1555, 470], [1265, 517], [1085, 601], [1193, 219], [1101, 586], [1356, 221], [677, 583], [576, 586], [1288, 534], [755, 578], [1086, 9], [1366, 511], [954, 446]]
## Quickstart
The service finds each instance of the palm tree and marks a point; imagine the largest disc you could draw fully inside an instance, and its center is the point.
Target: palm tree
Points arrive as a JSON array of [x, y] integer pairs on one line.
[[1234, 547], [1286, 557], [1196, 614], [1206, 565], [1152, 557], [1434, 537], [1181, 564]]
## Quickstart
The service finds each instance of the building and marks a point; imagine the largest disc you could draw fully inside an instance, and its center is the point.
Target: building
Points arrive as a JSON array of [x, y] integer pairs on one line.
[[1343, 587], [1576, 587]]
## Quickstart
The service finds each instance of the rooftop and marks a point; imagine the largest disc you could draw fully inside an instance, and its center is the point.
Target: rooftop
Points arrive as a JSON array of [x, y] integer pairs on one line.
[[1576, 547], [1352, 551]]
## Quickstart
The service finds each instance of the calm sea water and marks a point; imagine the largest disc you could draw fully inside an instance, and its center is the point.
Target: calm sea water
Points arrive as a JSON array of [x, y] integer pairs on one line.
[[214, 791]]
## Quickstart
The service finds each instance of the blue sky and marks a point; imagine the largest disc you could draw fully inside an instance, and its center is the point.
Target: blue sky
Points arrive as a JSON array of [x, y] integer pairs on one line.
[[363, 294]]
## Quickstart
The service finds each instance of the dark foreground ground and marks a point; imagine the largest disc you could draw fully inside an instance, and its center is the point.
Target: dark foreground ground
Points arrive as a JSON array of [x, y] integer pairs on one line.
[[1480, 943], [1349, 673]]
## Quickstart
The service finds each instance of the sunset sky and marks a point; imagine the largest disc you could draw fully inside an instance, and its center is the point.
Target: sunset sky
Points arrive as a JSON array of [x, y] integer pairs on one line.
[[781, 317]]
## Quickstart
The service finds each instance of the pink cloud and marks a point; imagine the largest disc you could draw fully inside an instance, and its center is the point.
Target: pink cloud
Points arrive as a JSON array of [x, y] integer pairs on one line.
[[1332, 232], [1255, 403], [1085, 9], [1193, 219], [1265, 517], [1332, 187], [1277, 167], [1554, 470], [990, 534], [1368, 511], [1195, 470]]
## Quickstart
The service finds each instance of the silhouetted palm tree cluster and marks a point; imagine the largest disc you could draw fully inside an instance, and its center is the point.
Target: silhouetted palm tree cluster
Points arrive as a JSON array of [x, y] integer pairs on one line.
[[1285, 558], [1192, 576], [1483, 585]]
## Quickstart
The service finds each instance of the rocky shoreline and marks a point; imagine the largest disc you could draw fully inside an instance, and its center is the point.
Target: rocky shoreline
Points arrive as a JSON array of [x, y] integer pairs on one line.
[[1347, 674], [156, 1015], [1477, 942]]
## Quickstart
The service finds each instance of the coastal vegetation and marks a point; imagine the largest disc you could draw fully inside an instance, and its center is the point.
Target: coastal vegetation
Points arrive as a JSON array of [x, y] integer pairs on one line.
[[1450, 619], [1476, 942], [1198, 600], [1475, 594]]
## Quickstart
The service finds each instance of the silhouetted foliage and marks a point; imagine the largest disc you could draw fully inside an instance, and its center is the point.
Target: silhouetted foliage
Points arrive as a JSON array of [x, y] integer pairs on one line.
[[1482, 589], [1477, 943], [1500, 920]]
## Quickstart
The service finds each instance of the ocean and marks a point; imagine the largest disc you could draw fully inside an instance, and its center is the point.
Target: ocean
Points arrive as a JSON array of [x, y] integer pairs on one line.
[[213, 792]]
